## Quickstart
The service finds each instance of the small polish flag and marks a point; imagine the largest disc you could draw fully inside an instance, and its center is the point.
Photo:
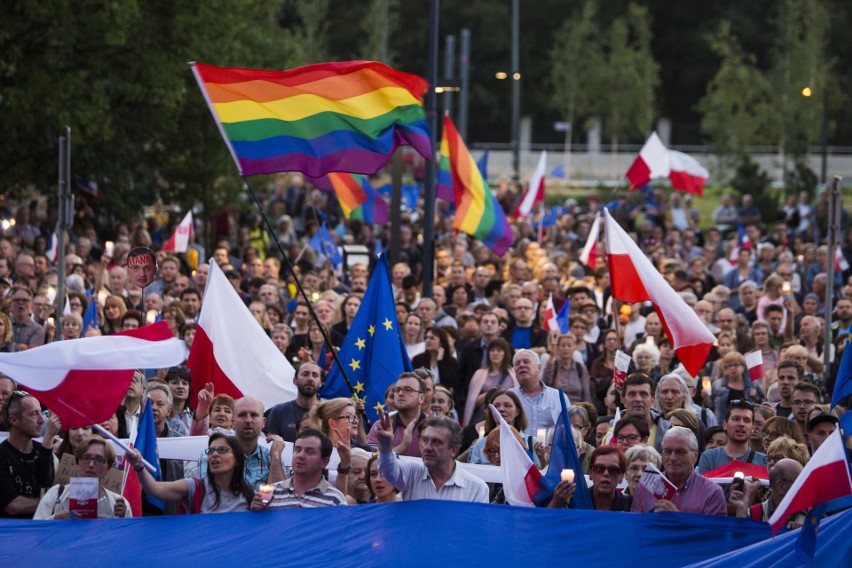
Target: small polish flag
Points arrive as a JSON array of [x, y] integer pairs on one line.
[[840, 262], [686, 174], [83, 381], [179, 241], [52, 252], [233, 352], [754, 362], [590, 251], [550, 322], [825, 478], [651, 163], [609, 439], [535, 190], [619, 369], [520, 475]]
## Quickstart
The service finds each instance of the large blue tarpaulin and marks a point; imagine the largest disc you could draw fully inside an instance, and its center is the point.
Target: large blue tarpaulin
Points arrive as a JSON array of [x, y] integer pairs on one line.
[[404, 534]]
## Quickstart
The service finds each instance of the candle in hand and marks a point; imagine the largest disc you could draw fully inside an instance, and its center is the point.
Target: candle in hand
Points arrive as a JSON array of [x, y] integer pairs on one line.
[[568, 475], [266, 493], [541, 435]]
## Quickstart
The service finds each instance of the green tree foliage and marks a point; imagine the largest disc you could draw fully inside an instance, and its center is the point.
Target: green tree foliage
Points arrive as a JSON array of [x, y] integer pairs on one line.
[[736, 111], [117, 73], [313, 31], [374, 25]]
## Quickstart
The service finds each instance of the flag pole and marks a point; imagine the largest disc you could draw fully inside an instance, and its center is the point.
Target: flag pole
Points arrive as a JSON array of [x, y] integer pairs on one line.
[[274, 234], [107, 434]]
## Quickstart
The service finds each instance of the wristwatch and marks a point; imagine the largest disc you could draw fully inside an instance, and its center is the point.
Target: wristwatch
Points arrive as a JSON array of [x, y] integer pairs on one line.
[[344, 470]]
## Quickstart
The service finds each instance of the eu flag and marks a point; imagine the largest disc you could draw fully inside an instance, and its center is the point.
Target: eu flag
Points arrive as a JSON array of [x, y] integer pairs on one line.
[[90, 318], [372, 353], [146, 444], [843, 382], [324, 243], [563, 455]]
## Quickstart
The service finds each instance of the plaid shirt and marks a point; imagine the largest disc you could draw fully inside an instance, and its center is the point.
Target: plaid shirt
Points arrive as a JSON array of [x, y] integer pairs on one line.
[[698, 495]]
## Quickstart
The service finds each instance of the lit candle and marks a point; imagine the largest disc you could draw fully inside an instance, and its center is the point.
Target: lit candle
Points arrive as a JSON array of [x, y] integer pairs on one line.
[[109, 248], [481, 430], [706, 383], [541, 435], [568, 475], [151, 316], [785, 287], [265, 493], [102, 296]]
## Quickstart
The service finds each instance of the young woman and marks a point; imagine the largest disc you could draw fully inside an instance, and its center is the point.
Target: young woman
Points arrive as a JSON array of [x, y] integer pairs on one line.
[[412, 335], [72, 438], [564, 372], [498, 372], [380, 490], [509, 406], [348, 311], [114, 310], [223, 490], [442, 402], [438, 358]]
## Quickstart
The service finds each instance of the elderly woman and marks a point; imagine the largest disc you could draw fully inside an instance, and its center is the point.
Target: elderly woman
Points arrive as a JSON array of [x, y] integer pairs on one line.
[[638, 457], [492, 453], [734, 385], [785, 447], [72, 326], [442, 402], [673, 393], [223, 490], [94, 457], [646, 356], [564, 372]]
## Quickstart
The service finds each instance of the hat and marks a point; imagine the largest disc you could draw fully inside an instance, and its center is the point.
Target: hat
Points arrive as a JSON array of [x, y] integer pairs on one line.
[[820, 418]]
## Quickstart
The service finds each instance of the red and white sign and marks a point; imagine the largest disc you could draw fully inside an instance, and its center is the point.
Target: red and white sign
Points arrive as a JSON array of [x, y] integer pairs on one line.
[[619, 370], [658, 484]]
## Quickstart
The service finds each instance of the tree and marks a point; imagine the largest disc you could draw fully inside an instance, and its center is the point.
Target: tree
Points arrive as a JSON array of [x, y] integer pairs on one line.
[[313, 32], [380, 21]]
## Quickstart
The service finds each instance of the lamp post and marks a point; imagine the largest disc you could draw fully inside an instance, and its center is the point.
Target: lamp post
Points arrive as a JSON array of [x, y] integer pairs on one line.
[[516, 89]]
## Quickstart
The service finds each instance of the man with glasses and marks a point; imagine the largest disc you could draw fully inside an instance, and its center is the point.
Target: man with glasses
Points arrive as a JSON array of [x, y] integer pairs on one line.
[[42, 309], [739, 425], [694, 493], [727, 321], [790, 373], [438, 476], [523, 334], [26, 467], [805, 397], [26, 333], [782, 476], [409, 396]]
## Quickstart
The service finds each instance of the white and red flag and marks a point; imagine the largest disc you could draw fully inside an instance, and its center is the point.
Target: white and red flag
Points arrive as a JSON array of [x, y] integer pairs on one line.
[[84, 380], [840, 262], [179, 241], [590, 251], [535, 190], [651, 163], [520, 475], [686, 174], [635, 279], [825, 478], [233, 352], [754, 362], [550, 322]]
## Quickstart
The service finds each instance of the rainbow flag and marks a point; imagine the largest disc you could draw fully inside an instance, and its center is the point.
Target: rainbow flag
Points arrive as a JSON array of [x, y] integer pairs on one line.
[[477, 212], [358, 198], [328, 117]]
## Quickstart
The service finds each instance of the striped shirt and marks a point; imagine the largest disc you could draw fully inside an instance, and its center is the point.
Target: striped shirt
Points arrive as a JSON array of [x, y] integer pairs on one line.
[[284, 496], [415, 482], [698, 495]]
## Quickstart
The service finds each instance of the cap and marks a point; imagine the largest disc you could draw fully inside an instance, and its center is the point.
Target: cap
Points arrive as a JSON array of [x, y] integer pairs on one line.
[[820, 418]]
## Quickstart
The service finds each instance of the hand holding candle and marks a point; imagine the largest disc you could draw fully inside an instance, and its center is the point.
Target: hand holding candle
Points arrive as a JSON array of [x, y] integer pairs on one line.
[[541, 435], [265, 493], [568, 475]]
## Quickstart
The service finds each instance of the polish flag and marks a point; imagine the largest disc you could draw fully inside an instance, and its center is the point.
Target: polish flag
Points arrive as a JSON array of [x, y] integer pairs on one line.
[[651, 163], [620, 367], [754, 362], [825, 478], [550, 322], [535, 190], [609, 438], [725, 473], [590, 251], [52, 252], [520, 475], [686, 174], [233, 352], [179, 241], [840, 262], [84, 380], [635, 279]]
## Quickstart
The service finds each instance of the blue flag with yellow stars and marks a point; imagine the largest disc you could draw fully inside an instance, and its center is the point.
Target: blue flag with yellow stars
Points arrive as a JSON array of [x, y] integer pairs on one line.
[[372, 353]]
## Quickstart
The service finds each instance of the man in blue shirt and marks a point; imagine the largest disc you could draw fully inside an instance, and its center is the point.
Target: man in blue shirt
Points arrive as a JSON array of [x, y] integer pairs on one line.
[[739, 423], [524, 334]]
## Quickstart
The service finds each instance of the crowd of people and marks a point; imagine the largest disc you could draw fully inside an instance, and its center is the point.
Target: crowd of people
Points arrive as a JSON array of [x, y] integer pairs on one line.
[[476, 343]]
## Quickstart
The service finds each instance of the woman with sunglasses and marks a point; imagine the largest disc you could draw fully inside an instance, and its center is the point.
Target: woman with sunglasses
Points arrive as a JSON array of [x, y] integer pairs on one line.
[[94, 458], [222, 490]]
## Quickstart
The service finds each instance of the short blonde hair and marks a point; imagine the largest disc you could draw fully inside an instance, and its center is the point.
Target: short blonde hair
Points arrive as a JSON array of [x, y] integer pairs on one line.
[[83, 447], [789, 446]]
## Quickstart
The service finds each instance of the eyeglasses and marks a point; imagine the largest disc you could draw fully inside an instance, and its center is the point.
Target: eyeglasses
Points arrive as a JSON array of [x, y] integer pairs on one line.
[[613, 470], [351, 418], [15, 394], [775, 458], [22, 300], [740, 403], [803, 403], [97, 460], [628, 439], [221, 450], [405, 390], [680, 452], [492, 453]]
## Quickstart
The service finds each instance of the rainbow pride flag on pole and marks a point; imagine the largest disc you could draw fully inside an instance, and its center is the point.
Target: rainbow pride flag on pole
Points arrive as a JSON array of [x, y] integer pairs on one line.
[[357, 196], [477, 212], [328, 117]]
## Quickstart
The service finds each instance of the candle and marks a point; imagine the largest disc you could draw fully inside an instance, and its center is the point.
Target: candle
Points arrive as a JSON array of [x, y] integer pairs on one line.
[[786, 287], [541, 435], [480, 430], [568, 475], [706, 383], [265, 493], [102, 296], [109, 248], [151, 316]]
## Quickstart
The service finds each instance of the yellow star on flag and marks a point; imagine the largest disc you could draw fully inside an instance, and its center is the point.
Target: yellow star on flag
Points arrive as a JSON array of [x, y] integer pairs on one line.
[[359, 387], [355, 365], [360, 343], [379, 408], [388, 324], [371, 329]]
